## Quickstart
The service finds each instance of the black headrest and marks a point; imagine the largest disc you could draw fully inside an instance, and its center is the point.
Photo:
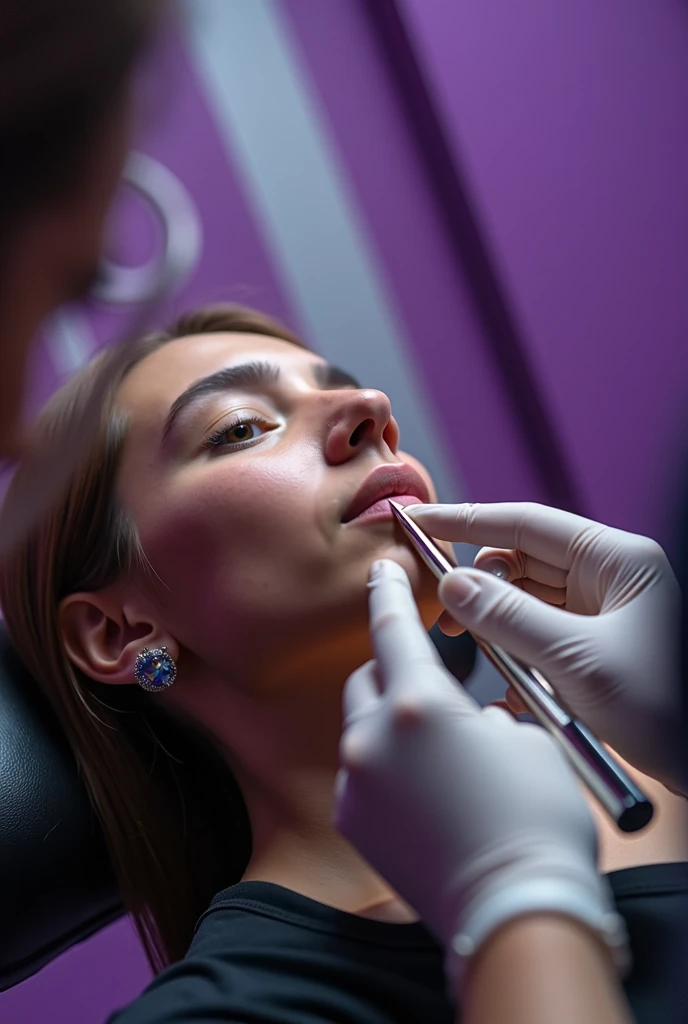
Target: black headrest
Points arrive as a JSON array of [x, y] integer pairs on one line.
[[56, 883]]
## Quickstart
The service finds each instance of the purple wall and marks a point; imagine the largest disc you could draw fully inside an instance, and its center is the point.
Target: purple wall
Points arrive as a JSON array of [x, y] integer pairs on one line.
[[570, 119], [84, 985]]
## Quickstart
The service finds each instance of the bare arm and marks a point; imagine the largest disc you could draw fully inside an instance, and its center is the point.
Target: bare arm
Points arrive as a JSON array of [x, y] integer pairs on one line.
[[664, 840], [540, 969]]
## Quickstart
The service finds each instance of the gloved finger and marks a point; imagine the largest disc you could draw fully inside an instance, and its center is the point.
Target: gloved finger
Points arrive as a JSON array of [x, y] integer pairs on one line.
[[503, 706], [499, 716], [550, 595], [449, 625], [342, 804], [509, 564], [350, 810], [340, 783], [538, 530], [361, 691], [506, 615], [405, 655]]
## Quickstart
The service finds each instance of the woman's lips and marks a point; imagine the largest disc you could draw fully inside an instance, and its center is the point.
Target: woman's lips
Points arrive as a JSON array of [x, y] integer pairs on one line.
[[380, 511], [388, 480]]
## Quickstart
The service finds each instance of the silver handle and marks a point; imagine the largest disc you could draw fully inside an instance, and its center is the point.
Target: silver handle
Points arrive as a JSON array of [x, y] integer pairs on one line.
[[616, 791]]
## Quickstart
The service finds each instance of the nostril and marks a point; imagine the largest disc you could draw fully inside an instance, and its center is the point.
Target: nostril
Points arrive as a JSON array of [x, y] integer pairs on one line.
[[366, 427]]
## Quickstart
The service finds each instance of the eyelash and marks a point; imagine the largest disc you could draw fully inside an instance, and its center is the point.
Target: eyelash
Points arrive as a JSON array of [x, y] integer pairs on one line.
[[214, 440]]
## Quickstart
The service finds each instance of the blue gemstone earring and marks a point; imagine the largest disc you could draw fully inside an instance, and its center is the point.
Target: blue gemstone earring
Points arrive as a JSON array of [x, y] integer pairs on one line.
[[155, 670]]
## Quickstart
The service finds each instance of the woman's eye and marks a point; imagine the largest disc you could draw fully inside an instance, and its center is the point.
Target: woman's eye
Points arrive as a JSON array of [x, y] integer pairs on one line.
[[241, 432], [236, 434]]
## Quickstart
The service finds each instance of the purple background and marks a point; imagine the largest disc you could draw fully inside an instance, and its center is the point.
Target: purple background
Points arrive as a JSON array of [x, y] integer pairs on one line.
[[568, 120]]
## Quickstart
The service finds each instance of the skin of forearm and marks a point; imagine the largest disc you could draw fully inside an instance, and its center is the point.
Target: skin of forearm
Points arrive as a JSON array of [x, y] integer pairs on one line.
[[539, 969], [664, 839]]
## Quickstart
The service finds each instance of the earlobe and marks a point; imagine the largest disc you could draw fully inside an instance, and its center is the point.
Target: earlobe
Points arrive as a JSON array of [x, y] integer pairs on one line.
[[103, 639]]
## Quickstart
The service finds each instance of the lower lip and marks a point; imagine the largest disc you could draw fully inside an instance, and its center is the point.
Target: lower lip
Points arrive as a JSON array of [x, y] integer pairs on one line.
[[381, 511]]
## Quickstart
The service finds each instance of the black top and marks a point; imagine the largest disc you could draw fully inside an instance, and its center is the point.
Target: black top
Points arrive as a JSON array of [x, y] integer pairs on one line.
[[264, 955]]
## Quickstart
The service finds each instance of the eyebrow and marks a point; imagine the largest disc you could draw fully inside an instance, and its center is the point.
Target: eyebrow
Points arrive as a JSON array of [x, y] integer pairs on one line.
[[256, 375]]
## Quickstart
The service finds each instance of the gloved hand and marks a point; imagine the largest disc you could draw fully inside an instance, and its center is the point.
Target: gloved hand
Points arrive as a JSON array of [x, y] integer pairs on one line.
[[472, 817], [595, 609]]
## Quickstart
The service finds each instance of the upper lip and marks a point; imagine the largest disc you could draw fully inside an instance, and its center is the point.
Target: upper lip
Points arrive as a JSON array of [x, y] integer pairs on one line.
[[386, 482]]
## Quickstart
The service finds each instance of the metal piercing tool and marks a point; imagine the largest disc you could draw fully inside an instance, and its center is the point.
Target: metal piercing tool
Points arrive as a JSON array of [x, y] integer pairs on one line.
[[623, 801]]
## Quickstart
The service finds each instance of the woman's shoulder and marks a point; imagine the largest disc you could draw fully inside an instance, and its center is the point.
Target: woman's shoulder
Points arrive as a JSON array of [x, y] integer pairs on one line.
[[263, 952]]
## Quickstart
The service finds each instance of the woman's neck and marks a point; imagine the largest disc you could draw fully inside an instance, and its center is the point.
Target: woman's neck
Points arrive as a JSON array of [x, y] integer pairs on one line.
[[284, 756]]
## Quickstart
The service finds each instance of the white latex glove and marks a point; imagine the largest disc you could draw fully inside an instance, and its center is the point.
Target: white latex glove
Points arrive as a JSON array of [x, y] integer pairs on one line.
[[595, 609], [473, 818]]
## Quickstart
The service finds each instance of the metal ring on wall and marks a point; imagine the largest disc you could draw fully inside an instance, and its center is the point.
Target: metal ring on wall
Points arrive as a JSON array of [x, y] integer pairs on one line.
[[176, 212]]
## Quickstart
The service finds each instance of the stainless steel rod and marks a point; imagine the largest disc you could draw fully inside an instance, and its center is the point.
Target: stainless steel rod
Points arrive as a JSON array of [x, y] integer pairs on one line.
[[625, 803]]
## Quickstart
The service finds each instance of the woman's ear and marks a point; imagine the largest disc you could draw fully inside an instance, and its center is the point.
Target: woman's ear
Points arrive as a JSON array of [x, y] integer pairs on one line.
[[103, 638]]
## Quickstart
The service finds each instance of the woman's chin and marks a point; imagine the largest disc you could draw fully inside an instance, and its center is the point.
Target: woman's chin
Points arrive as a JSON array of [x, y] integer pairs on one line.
[[423, 583], [429, 605]]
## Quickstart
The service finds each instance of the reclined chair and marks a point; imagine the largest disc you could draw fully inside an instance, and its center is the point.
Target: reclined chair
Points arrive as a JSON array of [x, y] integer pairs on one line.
[[56, 883]]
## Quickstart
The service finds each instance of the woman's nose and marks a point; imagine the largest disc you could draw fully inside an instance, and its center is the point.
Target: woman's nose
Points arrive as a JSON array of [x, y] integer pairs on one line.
[[361, 419]]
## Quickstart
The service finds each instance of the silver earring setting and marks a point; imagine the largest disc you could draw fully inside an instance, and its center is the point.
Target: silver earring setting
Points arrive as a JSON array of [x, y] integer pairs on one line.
[[155, 670]]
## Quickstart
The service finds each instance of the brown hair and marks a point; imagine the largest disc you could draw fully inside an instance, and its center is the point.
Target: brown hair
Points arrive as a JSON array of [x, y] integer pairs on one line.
[[174, 820], [63, 68]]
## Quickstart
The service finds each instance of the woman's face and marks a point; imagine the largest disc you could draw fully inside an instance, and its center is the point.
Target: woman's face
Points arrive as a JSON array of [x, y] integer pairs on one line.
[[254, 473]]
